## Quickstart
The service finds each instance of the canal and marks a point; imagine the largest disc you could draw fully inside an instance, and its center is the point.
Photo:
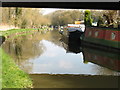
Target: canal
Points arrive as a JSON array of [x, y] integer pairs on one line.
[[54, 61]]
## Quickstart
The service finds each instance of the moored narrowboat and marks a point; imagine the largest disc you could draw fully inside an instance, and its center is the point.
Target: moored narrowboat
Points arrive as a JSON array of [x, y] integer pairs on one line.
[[104, 35], [75, 30], [108, 37]]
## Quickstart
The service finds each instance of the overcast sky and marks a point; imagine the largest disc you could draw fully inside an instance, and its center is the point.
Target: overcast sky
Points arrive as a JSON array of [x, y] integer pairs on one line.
[[50, 10]]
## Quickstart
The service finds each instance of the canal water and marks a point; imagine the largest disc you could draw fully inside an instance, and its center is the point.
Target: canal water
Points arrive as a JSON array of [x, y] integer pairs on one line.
[[50, 57]]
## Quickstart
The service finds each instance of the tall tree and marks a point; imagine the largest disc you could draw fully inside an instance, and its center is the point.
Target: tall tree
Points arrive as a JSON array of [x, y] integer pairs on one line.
[[62, 17]]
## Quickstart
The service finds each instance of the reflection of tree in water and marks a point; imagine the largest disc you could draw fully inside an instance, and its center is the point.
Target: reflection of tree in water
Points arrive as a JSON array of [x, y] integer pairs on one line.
[[9, 45], [55, 37], [18, 49], [29, 46], [24, 48]]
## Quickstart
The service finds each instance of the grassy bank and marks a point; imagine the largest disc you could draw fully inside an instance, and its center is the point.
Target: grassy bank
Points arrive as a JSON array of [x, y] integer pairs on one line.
[[12, 76], [13, 33]]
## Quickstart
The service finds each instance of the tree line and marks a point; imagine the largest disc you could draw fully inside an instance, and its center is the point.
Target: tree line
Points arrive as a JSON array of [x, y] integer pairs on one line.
[[64, 17], [24, 17], [109, 18], [32, 17]]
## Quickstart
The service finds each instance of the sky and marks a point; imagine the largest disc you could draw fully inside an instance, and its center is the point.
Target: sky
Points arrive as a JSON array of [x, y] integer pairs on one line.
[[50, 10]]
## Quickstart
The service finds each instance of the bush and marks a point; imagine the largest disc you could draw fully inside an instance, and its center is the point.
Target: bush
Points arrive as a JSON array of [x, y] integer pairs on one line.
[[87, 19]]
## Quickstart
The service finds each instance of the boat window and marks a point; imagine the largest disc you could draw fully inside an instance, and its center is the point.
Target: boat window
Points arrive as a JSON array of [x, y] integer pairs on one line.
[[90, 33], [96, 33], [113, 36]]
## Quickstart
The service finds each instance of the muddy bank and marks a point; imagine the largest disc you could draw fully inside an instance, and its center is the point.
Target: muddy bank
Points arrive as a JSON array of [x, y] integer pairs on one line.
[[74, 81]]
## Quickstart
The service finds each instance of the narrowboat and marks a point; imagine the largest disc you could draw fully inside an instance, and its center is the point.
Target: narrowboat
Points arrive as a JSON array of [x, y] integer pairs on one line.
[[102, 58], [71, 45], [74, 30], [103, 37]]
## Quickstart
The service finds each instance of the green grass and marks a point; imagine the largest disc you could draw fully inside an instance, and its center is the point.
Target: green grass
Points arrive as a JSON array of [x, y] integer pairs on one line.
[[0, 71], [12, 76], [12, 31]]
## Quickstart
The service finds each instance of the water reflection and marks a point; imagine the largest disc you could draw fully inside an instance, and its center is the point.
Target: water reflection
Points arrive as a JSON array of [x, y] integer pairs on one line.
[[106, 59], [53, 53], [71, 45]]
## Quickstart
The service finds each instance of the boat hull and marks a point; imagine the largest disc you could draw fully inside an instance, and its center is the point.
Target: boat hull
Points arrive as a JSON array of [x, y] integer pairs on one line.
[[75, 34], [105, 37]]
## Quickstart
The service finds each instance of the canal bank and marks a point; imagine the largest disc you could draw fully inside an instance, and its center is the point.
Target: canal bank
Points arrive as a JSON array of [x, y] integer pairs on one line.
[[41, 53], [12, 75], [13, 33]]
